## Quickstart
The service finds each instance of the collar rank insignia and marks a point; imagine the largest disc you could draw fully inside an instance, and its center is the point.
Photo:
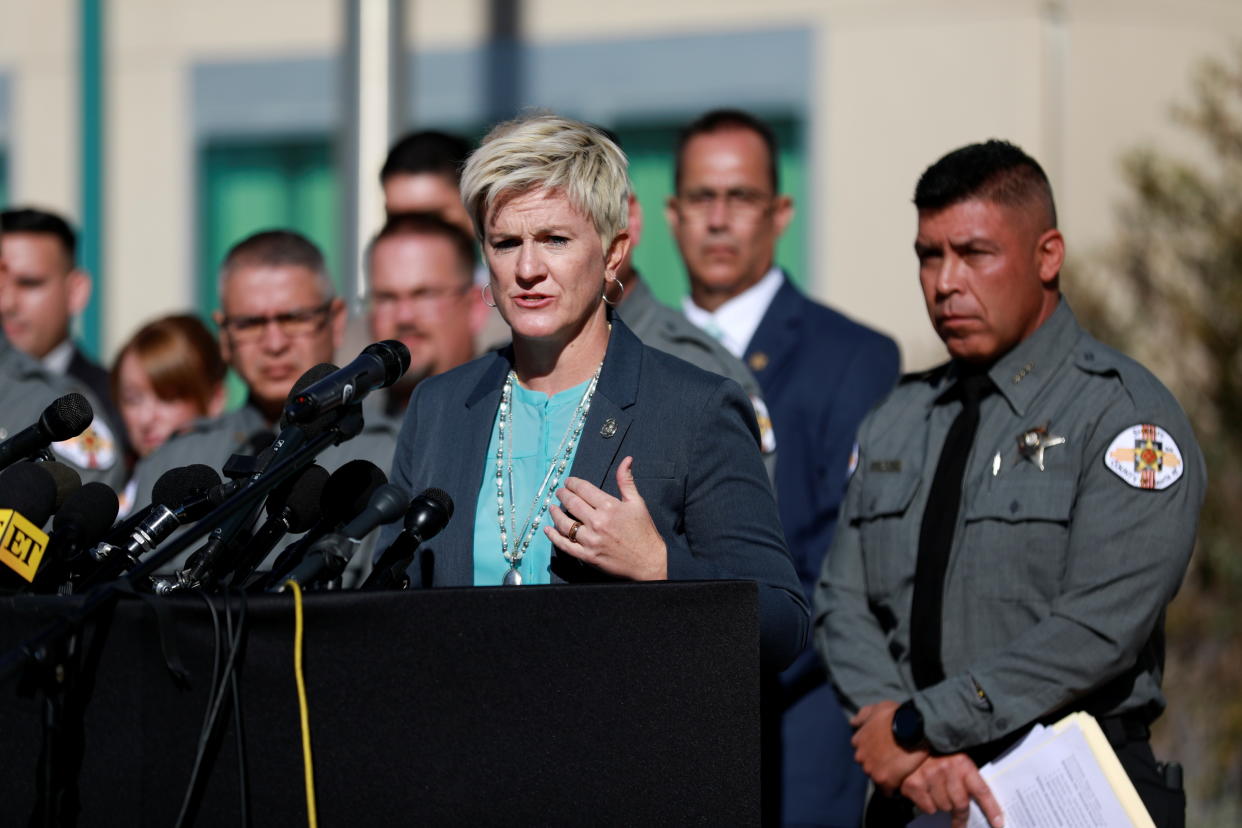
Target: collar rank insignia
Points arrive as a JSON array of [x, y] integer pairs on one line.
[[1032, 444], [1146, 457]]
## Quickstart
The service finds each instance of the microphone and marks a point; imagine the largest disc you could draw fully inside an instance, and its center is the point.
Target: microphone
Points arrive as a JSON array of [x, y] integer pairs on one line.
[[66, 417], [67, 481], [181, 495], [291, 435], [27, 498], [292, 508], [81, 522], [378, 366], [345, 494], [193, 492], [329, 555], [28, 488], [427, 515]]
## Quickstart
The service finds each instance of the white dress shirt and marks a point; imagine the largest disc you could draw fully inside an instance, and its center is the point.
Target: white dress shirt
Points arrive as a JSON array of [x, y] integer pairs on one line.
[[734, 323], [57, 360]]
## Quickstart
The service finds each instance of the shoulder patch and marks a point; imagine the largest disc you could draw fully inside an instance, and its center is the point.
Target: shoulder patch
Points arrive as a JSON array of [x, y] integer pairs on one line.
[[94, 448], [767, 437], [1146, 457]]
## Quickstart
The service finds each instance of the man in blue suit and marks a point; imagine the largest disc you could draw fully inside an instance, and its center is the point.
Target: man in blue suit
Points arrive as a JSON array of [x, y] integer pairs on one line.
[[820, 373]]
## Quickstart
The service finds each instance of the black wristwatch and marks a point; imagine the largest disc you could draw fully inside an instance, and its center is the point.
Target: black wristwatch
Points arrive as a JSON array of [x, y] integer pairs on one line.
[[908, 726]]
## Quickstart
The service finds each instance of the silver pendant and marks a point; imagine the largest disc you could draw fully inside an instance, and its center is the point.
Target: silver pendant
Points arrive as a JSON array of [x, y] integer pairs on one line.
[[512, 578]]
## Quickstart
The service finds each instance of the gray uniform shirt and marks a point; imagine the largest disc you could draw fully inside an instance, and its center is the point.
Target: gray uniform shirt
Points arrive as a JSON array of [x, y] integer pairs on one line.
[[1057, 580], [27, 388], [213, 440], [664, 329]]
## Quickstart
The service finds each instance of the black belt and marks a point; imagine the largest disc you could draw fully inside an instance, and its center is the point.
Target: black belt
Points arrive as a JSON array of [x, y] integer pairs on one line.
[[1123, 729]]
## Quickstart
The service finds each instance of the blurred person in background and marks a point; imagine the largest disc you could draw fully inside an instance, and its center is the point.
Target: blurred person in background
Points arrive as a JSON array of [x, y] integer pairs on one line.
[[27, 388], [820, 373], [666, 330], [620, 461], [422, 174], [166, 376], [420, 279], [41, 293], [279, 316]]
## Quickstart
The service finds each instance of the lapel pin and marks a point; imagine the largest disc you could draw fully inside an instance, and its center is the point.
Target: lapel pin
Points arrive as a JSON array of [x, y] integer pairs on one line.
[[758, 361], [608, 429]]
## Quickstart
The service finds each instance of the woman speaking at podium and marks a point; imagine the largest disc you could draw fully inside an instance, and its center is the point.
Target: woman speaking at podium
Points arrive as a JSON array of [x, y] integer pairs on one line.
[[577, 453]]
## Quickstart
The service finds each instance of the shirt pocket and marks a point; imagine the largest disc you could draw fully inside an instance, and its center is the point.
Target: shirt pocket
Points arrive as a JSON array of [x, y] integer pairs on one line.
[[889, 544], [1015, 537]]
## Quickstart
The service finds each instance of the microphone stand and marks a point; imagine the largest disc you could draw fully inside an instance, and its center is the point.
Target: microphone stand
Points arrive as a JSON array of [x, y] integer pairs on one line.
[[52, 652]]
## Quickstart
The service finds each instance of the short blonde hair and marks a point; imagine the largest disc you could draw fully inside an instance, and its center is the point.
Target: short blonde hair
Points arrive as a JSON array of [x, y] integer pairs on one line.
[[550, 152]]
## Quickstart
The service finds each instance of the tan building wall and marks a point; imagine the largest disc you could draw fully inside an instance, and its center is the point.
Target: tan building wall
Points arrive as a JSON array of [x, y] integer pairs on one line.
[[895, 83]]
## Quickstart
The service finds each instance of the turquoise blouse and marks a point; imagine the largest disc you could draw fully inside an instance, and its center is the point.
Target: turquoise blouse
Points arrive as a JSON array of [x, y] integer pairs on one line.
[[539, 424]]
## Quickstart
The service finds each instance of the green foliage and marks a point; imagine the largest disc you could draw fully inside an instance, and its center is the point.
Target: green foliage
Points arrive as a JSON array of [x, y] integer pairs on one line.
[[1169, 293]]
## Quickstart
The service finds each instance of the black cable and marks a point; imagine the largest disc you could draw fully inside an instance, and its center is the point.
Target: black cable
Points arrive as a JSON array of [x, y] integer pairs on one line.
[[216, 695], [199, 750], [242, 786]]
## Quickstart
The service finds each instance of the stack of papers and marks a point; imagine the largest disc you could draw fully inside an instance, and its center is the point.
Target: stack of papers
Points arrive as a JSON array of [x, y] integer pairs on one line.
[[1063, 775]]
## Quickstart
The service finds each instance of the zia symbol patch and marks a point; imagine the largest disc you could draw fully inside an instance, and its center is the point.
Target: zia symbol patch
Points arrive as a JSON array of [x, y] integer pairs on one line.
[[1146, 457]]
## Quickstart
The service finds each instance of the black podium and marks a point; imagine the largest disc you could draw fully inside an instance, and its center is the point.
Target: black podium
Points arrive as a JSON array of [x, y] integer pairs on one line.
[[600, 705]]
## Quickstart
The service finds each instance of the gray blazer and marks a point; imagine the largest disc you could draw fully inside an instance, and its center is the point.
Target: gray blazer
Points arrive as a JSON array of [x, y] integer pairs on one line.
[[696, 463]]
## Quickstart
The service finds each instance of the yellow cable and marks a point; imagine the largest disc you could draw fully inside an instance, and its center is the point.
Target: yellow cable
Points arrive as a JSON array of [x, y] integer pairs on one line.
[[303, 711]]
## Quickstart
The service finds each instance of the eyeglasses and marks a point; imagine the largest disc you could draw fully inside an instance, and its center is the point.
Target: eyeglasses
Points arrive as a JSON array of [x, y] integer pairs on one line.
[[293, 324], [422, 297], [742, 201]]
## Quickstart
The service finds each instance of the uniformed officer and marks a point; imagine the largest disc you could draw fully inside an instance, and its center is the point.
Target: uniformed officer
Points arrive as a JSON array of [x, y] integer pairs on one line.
[[41, 290], [279, 316], [1018, 520], [26, 389], [420, 279]]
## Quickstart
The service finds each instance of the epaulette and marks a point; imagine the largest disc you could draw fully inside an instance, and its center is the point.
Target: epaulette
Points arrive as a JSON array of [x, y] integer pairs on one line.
[[1144, 389]]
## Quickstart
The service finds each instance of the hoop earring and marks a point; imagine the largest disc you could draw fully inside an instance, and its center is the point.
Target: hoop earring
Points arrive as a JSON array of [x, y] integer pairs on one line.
[[616, 282], [486, 288]]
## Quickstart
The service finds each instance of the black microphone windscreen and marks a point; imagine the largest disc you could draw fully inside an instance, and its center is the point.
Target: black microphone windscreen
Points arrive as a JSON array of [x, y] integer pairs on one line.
[[90, 510], [302, 497], [66, 478], [349, 488], [67, 416], [178, 485], [312, 376], [395, 356], [440, 496], [29, 489]]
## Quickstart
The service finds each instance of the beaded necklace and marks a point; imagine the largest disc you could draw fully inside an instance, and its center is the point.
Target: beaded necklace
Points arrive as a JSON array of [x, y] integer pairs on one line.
[[551, 478]]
